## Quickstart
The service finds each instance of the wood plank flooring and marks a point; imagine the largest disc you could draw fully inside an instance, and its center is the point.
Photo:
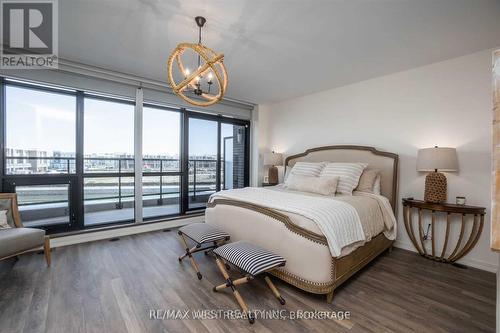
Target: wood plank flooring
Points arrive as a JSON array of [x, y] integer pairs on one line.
[[112, 286]]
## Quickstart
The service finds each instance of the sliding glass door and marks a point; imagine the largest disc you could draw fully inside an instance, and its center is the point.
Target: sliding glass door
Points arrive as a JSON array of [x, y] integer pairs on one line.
[[202, 161], [217, 156], [233, 156], [161, 144], [108, 182]]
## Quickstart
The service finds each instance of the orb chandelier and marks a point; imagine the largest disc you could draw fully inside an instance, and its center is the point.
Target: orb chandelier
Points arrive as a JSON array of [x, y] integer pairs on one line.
[[207, 83]]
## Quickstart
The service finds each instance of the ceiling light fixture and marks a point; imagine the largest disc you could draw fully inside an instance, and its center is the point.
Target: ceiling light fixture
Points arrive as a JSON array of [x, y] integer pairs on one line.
[[196, 85]]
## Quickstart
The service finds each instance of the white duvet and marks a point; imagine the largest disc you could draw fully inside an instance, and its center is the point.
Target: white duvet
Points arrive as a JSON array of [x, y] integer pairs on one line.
[[337, 220]]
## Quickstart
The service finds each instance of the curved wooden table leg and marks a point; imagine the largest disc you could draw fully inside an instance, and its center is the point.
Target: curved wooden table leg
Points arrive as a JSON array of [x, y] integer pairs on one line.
[[409, 228], [476, 230], [421, 232], [447, 235], [433, 222], [459, 241]]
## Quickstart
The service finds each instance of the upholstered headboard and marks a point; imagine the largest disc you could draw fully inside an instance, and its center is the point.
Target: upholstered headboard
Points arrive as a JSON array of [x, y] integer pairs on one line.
[[386, 162]]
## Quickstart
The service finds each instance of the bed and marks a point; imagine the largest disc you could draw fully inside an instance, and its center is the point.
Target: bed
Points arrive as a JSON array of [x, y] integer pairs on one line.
[[311, 264]]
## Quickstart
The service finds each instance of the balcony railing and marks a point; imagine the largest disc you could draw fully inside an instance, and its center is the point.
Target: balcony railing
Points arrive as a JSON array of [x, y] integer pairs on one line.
[[121, 167]]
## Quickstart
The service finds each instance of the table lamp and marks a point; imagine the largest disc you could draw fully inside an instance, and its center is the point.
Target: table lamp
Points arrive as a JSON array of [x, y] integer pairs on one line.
[[436, 159], [272, 160]]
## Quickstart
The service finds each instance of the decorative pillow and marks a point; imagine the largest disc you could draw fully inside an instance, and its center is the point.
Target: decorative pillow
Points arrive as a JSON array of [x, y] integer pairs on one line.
[[367, 180], [376, 186], [3, 220], [319, 185], [308, 168], [348, 174]]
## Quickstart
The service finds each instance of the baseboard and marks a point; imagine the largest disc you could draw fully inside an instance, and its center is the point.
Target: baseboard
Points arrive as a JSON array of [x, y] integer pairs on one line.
[[485, 266], [112, 233]]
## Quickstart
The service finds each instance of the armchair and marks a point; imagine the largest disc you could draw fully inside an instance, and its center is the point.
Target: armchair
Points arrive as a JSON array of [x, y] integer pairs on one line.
[[17, 240]]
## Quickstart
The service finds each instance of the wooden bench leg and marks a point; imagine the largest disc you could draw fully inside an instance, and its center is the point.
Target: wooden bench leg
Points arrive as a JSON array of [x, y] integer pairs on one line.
[[46, 250], [191, 258], [232, 284], [243, 306], [275, 291], [188, 251]]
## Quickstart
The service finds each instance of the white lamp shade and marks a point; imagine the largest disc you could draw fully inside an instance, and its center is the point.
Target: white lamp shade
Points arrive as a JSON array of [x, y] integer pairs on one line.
[[273, 158], [437, 158]]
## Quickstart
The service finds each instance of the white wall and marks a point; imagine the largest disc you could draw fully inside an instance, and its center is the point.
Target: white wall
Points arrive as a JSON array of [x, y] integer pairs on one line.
[[445, 104]]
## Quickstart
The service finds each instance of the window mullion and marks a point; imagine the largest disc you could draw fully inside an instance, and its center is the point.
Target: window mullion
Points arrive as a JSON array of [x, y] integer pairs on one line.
[[2, 132], [78, 205], [138, 114]]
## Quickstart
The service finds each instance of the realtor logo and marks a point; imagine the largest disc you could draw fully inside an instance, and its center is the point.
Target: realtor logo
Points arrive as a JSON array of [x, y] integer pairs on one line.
[[29, 34]]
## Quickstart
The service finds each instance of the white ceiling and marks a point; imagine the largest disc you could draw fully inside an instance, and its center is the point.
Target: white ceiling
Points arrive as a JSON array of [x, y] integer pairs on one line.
[[278, 49]]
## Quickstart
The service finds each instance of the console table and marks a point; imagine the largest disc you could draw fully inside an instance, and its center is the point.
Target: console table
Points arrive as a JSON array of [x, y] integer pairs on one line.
[[454, 213]]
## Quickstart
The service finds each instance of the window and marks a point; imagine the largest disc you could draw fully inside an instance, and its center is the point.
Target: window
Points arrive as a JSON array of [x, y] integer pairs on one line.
[[39, 154], [40, 132], [161, 162], [70, 158], [108, 187], [233, 156], [202, 161]]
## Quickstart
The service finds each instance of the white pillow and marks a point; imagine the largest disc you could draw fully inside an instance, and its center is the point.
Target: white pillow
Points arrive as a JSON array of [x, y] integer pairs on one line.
[[348, 174], [376, 185], [310, 169], [3, 220], [319, 185]]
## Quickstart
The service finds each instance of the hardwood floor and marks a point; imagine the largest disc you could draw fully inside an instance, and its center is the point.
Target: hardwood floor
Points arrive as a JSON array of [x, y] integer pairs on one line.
[[112, 286]]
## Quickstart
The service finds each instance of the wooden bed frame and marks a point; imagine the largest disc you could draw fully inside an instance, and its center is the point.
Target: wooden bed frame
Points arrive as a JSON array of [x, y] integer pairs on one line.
[[344, 267]]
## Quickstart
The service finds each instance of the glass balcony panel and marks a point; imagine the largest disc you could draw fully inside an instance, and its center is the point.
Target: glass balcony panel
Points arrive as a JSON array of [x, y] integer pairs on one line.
[[108, 200], [160, 196], [44, 205]]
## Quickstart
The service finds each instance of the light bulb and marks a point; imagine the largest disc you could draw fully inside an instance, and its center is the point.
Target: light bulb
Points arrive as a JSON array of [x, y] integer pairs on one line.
[[186, 72], [210, 76]]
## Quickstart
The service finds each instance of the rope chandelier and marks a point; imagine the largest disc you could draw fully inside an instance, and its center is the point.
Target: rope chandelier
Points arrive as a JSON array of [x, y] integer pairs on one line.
[[197, 87]]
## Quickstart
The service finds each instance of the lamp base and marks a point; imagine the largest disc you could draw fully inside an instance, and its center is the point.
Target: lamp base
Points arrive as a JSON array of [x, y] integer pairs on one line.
[[435, 187], [273, 175]]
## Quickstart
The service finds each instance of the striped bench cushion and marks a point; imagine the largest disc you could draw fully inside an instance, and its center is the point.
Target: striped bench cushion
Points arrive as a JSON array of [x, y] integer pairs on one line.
[[203, 233], [249, 257]]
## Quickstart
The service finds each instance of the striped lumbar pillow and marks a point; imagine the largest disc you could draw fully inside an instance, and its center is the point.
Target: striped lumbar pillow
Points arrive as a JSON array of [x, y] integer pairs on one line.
[[310, 169], [318, 185], [348, 174]]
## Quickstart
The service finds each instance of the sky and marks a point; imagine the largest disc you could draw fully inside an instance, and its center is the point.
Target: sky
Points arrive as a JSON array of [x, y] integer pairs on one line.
[[45, 121]]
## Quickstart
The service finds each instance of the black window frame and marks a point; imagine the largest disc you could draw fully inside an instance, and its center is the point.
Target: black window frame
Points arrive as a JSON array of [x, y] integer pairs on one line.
[[160, 174], [76, 179], [119, 174], [10, 181]]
